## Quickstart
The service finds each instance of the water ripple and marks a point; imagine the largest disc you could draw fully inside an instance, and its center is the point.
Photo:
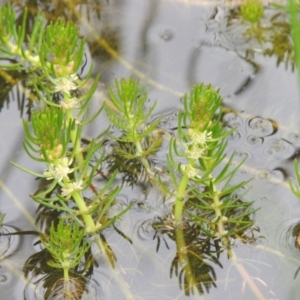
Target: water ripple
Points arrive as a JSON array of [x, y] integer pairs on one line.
[[280, 148], [288, 238], [262, 127]]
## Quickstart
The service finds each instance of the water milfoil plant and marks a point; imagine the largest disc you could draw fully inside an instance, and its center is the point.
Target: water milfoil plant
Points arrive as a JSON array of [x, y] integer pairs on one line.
[[52, 55], [67, 247], [127, 111], [206, 173], [202, 178], [208, 205]]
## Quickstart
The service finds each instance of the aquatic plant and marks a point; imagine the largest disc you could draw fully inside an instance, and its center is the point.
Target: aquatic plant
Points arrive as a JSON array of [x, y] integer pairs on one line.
[[127, 112], [252, 11], [269, 33], [52, 56], [2, 216], [295, 187], [293, 8], [202, 141], [206, 200], [67, 247]]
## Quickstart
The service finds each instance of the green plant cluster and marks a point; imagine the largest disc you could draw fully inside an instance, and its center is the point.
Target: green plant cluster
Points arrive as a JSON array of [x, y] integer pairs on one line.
[[252, 11], [52, 56], [67, 246], [202, 141], [128, 103], [200, 175], [273, 33]]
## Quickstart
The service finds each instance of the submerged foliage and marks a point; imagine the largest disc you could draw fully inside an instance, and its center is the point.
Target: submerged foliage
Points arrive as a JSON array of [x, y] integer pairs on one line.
[[269, 30], [52, 56], [66, 245], [127, 112], [209, 210]]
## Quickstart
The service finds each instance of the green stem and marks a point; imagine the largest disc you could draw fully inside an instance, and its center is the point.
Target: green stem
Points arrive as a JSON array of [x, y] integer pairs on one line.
[[74, 138], [216, 205], [67, 288], [143, 159], [184, 260], [87, 218], [89, 223], [98, 242], [178, 211], [138, 145], [66, 274], [180, 198], [219, 216]]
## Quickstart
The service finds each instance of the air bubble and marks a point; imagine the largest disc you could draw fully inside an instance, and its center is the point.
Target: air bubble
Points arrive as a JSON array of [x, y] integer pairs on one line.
[[280, 148], [232, 120], [254, 140], [262, 127], [167, 35], [278, 145], [242, 155], [263, 175]]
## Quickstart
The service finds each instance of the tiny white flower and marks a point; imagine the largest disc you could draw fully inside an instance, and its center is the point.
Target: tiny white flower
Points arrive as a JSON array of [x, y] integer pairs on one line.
[[98, 225], [72, 104], [190, 171], [196, 147], [50, 173], [198, 137], [65, 84], [59, 170], [193, 150], [76, 186]]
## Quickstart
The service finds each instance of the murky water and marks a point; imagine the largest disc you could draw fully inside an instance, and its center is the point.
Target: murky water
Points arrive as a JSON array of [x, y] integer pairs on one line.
[[171, 45]]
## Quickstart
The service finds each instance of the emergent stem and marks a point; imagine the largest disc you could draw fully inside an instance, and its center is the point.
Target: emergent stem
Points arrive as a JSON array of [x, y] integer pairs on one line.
[[143, 159], [87, 218], [216, 205], [180, 199], [178, 211], [75, 139], [66, 274], [67, 287], [183, 257]]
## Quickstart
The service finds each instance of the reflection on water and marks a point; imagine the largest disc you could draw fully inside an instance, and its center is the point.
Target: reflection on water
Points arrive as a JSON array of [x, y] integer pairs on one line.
[[171, 45], [8, 242]]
